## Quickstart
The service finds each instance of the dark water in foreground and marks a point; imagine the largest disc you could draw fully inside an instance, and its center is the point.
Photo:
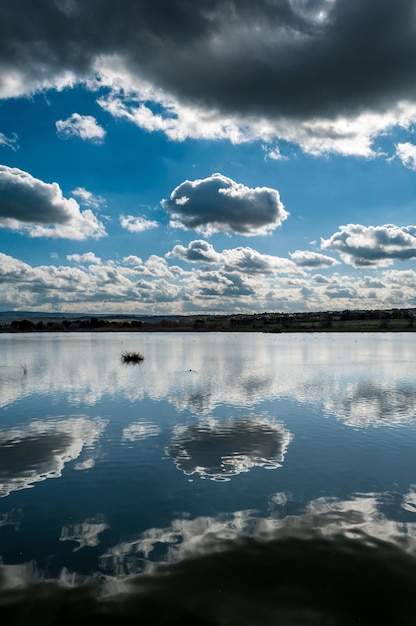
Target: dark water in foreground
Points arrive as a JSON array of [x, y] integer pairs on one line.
[[230, 479]]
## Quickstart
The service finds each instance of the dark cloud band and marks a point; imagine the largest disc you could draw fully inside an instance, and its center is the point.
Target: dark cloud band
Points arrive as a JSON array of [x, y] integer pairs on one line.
[[270, 58]]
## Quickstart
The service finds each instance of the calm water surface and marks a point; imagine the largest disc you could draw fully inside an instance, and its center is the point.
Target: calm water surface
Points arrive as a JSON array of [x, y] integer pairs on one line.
[[228, 479]]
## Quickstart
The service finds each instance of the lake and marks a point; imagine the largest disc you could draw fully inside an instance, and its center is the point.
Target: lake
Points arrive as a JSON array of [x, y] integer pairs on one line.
[[229, 478]]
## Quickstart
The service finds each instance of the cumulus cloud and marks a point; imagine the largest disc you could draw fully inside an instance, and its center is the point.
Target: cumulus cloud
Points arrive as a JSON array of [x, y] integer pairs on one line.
[[245, 260], [83, 126], [87, 258], [9, 142], [236, 282], [219, 204], [406, 152], [132, 259], [30, 205], [223, 284], [197, 251], [136, 224], [321, 65], [372, 246], [312, 260], [154, 266]]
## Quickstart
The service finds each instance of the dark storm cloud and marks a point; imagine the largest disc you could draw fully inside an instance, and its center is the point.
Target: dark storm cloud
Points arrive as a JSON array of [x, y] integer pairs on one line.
[[303, 58], [218, 204]]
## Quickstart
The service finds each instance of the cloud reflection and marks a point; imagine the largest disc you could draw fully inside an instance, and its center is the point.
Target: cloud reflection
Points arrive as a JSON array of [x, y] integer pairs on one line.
[[369, 404], [358, 517], [140, 430], [219, 450], [85, 534], [339, 563], [40, 450], [364, 379]]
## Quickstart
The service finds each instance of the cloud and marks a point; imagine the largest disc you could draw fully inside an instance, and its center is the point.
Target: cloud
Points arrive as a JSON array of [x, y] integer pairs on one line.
[[154, 110], [87, 258], [137, 224], [30, 205], [245, 260], [197, 251], [312, 260], [155, 266], [218, 204], [9, 142], [372, 246], [132, 259], [223, 284], [406, 152], [240, 280], [83, 126], [300, 70], [88, 198]]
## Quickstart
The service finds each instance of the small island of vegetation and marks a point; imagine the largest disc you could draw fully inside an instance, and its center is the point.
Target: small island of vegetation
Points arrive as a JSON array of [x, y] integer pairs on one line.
[[132, 357]]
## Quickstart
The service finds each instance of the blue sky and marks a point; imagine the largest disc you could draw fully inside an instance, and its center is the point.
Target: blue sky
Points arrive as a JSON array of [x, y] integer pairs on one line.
[[174, 157]]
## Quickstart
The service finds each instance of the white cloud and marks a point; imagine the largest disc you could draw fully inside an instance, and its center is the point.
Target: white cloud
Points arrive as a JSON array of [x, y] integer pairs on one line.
[[273, 152], [88, 198], [155, 110], [39, 209], [237, 280], [83, 126], [312, 260], [372, 246], [244, 260], [155, 266], [197, 251], [132, 259], [9, 142], [87, 258], [406, 152], [219, 204], [136, 224]]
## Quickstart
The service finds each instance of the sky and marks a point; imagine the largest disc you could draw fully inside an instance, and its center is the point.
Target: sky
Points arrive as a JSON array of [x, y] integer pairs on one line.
[[219, 156]]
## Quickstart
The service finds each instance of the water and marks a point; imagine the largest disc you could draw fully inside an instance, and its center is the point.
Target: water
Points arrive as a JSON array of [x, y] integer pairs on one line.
[[227, 479]]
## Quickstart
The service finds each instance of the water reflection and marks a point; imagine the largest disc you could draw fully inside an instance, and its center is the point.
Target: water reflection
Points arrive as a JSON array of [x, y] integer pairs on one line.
[[85, 534], [338, 564], [140, 430], [219, 450], [40, 450], [357, 377], [369, 404], [12, 518], [358, 517], [260, 547]]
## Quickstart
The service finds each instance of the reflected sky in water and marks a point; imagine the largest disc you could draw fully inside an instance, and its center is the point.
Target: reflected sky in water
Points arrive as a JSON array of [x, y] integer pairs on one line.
[[109, 472]]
